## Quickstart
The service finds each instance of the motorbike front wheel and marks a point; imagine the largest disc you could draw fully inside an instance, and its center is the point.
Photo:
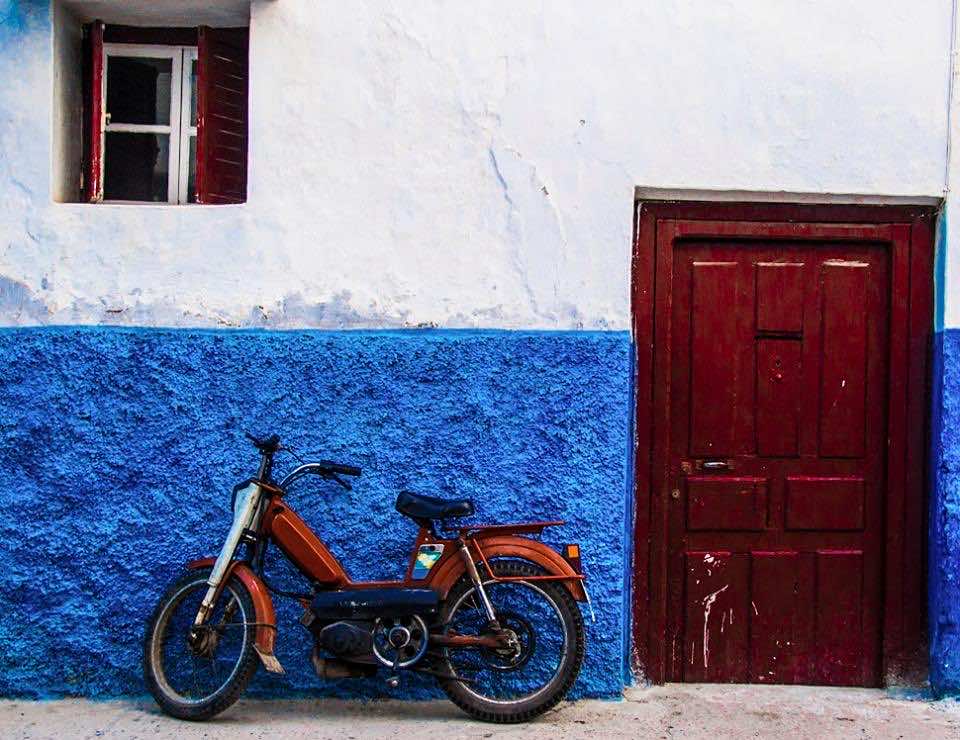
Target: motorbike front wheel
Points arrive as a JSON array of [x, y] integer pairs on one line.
[[195, 676], [517, 684]]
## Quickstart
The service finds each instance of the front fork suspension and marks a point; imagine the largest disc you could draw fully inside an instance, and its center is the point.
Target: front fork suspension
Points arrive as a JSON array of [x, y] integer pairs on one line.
[[246, 514]]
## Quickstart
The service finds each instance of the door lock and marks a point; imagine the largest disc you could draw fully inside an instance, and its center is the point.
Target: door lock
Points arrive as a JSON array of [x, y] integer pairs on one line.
[[675, 493]]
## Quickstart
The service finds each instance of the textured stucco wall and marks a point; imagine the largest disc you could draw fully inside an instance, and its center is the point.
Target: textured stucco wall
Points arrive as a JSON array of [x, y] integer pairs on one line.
[[473, 165], [944, 527], [119, 448]]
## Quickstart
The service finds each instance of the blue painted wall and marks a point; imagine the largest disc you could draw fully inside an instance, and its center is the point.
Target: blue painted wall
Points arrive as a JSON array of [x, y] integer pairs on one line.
[[119, 447], [944, 525]]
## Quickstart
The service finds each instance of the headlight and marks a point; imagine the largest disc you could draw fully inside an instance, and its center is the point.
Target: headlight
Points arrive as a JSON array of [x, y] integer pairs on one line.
[[241, 493]]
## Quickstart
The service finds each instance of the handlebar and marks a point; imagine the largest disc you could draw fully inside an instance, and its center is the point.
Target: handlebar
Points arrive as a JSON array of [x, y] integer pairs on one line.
[[323, 468], [341, 469]]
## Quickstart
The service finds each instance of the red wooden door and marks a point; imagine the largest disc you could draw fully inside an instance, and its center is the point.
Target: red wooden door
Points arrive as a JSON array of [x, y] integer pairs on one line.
[[778, 397]]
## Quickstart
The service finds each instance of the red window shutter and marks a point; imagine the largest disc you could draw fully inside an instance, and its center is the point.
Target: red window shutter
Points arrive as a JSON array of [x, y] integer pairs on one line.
[[222, 85], [92, 184]]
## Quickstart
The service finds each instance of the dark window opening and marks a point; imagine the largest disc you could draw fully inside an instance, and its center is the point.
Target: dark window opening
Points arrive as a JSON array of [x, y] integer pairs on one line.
[[136, 167]]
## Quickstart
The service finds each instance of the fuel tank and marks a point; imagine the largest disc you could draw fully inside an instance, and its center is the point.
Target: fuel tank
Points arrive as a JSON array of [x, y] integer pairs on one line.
[[304, 548]]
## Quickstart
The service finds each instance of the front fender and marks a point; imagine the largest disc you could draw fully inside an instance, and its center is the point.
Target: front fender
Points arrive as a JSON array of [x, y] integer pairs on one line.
[[510, 546], [262, 604]]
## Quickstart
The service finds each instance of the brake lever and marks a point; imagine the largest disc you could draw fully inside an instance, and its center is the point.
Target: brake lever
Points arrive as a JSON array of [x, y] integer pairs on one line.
[[293, 452], [341, 481]]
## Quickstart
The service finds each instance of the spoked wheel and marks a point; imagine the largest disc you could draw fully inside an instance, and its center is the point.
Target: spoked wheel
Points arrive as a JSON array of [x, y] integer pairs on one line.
[[195, 674], [531, 675]]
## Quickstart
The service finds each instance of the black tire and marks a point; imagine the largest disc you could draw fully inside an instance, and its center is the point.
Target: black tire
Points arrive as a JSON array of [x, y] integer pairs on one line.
[[187, 589], [525, 709]]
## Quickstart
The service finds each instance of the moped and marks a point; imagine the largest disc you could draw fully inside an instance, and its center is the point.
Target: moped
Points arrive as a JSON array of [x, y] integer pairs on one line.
[[490, 612]]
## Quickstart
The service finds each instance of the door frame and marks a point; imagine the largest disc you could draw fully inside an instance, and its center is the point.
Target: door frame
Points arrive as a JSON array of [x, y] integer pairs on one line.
[[904, 659]]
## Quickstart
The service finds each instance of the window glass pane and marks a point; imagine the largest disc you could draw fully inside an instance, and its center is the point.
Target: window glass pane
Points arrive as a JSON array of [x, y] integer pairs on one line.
[[192, 173], [138, 90], [136, 167], [193, 93]]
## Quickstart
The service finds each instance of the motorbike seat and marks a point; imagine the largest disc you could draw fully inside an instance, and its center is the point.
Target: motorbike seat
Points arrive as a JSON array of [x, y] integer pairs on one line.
[[421, 508]]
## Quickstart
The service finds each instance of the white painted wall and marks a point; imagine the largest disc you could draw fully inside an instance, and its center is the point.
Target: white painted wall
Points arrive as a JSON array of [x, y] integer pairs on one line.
[[948, 285], [474, 164]]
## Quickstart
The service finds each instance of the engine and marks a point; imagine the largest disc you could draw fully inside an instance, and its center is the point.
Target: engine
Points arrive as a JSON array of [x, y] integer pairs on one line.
[[363, 627], [347, 639]]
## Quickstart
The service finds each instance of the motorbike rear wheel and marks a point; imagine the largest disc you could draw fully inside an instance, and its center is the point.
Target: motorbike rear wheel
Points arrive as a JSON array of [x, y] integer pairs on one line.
[[509, 686], [197, 679]]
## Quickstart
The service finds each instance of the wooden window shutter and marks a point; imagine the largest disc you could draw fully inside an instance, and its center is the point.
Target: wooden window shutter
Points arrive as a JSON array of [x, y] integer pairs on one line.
[[222, 87], [92, 170]]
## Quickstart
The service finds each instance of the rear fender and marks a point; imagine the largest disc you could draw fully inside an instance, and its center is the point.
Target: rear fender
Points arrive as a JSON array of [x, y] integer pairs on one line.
[[262, 604], [510, 546]]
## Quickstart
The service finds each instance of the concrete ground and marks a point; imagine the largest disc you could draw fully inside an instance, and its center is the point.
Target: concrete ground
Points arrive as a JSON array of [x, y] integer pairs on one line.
[[677, 711]]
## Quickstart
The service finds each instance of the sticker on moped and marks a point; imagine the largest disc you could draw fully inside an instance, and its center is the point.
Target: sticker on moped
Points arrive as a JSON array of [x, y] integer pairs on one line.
[[427, 557]]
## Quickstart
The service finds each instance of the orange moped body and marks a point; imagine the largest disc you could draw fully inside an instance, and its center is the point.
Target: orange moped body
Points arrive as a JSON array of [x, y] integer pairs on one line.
[[284, 527]]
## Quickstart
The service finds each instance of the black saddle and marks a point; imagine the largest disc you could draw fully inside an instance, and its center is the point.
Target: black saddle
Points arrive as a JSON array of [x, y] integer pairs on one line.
[[421, 508]]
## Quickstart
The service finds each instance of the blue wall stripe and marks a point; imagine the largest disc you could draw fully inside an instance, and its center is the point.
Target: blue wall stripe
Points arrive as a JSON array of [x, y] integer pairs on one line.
[[944, 524], [120, 447]]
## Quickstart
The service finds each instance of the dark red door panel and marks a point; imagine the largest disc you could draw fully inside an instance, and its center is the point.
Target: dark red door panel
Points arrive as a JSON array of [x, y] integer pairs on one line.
[[843, 379], [716, 646], [838, 654], [777, 428], [777, 618], [824, 503], [780, 296], [735, 504], [779, 395], [714, 377]]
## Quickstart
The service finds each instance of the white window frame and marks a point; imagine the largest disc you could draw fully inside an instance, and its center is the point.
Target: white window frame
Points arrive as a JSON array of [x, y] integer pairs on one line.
[[187, 130], [179, 129]]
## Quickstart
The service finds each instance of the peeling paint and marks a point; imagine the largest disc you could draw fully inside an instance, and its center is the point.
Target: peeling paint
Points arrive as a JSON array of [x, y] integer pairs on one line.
[[19, 304], [708, 601]]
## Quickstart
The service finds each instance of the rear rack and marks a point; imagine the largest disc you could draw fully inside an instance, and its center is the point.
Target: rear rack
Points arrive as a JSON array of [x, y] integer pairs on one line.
[[486, 530]]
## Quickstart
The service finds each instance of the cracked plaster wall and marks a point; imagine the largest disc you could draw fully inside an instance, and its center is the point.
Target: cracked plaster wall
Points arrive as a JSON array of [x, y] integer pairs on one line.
[[472, 166]]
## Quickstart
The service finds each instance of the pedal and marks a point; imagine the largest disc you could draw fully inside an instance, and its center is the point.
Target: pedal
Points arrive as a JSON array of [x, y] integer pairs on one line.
[[393, 682]]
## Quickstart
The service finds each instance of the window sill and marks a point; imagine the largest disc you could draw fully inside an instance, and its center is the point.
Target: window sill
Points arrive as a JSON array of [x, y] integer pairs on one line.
[[133, 205]]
